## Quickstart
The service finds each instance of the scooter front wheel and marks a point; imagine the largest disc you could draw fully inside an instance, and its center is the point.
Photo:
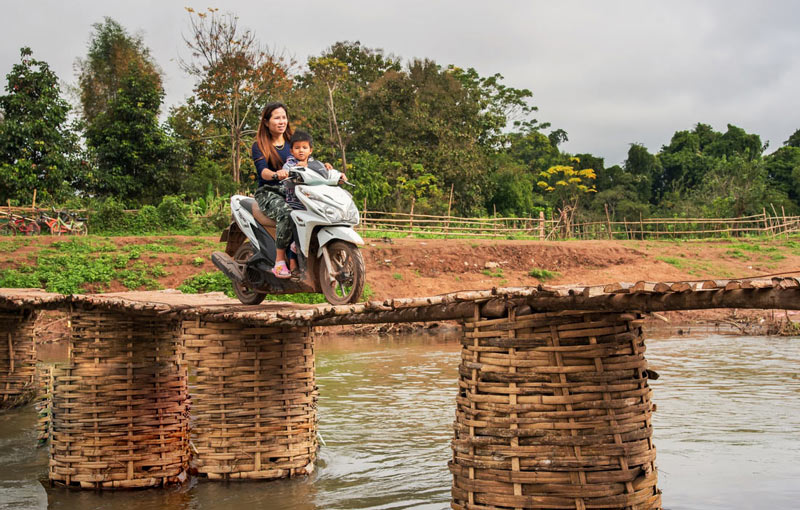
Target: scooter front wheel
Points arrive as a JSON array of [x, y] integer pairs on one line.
[[245, 294], [346, 283]]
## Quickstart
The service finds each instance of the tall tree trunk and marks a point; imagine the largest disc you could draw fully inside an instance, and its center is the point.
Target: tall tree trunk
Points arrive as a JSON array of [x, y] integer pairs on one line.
[[234, 155], [336, 127], [235, 136]]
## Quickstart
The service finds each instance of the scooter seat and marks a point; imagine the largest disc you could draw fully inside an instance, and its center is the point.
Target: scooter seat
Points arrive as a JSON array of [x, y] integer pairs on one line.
[[251, 205]]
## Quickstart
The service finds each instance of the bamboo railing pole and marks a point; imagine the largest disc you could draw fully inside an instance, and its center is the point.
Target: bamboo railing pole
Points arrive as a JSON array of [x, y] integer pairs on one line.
[[783, 220], [411, 217], [541, 225], [449, 206], [494, 208], [641, 226]]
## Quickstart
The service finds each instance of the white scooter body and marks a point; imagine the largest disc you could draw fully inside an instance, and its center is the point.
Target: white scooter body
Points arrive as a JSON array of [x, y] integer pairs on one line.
[[327, 205], [244, 218]]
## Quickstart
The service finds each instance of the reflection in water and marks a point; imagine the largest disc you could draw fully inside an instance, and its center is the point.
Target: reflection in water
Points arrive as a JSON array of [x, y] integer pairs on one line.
[[728, 421], [726, 428]]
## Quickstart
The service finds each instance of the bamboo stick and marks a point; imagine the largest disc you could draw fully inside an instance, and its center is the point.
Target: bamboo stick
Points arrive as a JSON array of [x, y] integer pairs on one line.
[[411, 216]]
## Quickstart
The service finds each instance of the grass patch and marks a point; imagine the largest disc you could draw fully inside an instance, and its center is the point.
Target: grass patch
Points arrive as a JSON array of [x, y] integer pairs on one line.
[[753, 247], [211, 281], [497, 273], [542, 274], [153, 248], [71, 266], [198, 261], [13, 245], [673, 261], [736, 254], [397, 276]]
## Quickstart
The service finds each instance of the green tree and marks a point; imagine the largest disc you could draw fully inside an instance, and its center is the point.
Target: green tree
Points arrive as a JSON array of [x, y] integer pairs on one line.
[[642, 167], [512, 189], [783, 171], [327, 97], [37, 148], [499, 106], [691, 155], [424, 116], [235, 75], [794, 140], [207, 155], [137, 161], [737, 186], [112, 53]]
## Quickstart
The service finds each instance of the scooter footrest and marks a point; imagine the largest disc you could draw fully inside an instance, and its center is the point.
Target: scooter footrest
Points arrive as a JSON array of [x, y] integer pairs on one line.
[[228, 266]]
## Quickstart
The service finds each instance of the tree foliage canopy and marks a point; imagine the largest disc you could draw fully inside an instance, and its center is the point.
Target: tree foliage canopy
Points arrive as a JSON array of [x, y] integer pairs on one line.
[[407, 132], [37, 148]]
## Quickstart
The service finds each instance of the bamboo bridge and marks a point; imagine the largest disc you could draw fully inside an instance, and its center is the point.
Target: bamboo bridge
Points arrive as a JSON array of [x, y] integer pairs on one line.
[[553, 407]]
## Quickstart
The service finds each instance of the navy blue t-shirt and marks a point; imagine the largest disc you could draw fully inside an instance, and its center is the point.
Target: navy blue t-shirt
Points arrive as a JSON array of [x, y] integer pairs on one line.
[[262, 162]]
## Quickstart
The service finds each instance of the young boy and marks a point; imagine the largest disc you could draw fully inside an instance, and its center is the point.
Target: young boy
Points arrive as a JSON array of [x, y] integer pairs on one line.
[[302, 146]]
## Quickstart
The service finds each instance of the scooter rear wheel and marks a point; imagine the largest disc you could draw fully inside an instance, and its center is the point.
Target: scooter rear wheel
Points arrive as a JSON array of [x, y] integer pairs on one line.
[[245, 294], [347, 284]]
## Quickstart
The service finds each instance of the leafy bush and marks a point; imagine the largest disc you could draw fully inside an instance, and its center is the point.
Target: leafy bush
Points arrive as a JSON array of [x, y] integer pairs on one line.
[[542, 274], [212, 281], [173, 213], [110, 217], [147, 219], [13, 279]]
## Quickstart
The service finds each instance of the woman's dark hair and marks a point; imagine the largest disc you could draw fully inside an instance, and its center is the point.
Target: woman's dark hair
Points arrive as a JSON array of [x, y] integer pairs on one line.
[[302, 136], [264, 137]]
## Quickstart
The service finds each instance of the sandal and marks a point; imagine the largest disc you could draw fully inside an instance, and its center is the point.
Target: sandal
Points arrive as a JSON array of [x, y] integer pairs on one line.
[[281, 271]]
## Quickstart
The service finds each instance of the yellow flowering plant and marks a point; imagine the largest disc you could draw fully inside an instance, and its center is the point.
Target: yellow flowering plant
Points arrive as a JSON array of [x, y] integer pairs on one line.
[[567, 185]]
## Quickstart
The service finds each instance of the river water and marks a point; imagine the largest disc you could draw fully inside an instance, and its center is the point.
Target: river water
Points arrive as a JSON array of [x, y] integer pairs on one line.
[[727, 431]]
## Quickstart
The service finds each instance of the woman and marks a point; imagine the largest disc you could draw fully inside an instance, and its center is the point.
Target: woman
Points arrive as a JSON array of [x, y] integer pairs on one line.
[[270, 151]]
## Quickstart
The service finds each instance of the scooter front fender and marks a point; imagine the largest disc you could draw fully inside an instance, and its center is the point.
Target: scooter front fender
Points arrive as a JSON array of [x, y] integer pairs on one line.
[[331, 233]]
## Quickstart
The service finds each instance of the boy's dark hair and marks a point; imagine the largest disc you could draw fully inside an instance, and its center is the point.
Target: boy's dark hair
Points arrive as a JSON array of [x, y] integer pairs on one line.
[[301, 136]]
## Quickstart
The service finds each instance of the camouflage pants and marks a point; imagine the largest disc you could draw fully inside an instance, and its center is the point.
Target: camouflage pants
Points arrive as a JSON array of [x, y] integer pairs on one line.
[[274, 206]]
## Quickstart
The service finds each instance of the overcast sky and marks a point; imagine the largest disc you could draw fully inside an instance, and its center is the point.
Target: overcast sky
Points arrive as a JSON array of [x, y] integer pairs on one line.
[[610, 73]]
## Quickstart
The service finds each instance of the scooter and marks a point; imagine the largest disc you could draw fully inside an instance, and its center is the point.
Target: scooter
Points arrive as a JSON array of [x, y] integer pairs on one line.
[[329, 260]]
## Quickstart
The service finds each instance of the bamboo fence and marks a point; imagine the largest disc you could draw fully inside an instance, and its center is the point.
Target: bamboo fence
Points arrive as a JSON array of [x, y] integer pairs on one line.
[[411, 223], [120, 406], [553, 229], [554, 411], [17, 357], [254, 400]]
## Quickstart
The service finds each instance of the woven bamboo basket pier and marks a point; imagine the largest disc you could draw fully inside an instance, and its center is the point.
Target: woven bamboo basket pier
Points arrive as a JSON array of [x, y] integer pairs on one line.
[[554, 412], [254, 400], [120, 406], [17, 357]]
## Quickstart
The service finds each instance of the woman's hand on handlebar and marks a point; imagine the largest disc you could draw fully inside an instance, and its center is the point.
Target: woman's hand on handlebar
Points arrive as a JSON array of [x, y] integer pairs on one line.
[[282, 174]]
